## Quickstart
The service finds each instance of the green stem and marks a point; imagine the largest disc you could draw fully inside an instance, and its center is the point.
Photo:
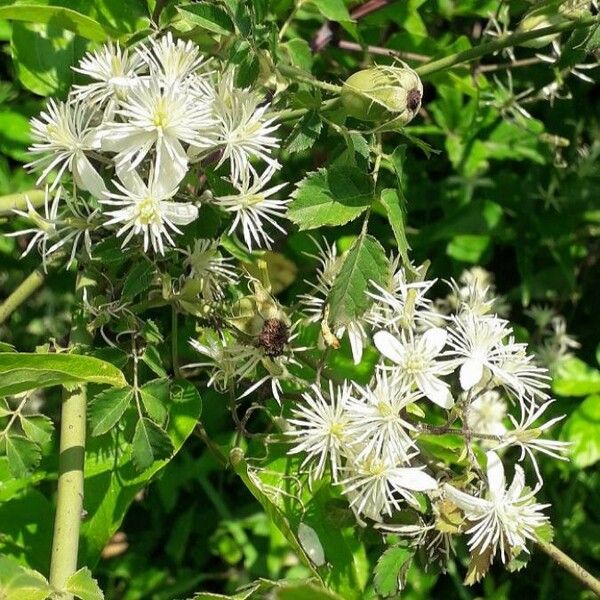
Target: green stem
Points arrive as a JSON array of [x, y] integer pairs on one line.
[[174, 341], [20, 295], [510, 40], [569, 565], [303, 77], [69, 503], [19, 201], [292, 114]]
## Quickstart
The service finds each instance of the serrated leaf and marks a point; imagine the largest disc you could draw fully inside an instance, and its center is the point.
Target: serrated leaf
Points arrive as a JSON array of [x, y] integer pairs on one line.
[[518, 562], [395, 208], [155, 395], [479, 564], [23, 454], [107, 408], [138, 280], [305, 133], [150, 443], [20, 372], [19, 583], [83, 586], [38, 428], [365, 262], [331, 196], [152, 358], [208, 16], [391, 570]]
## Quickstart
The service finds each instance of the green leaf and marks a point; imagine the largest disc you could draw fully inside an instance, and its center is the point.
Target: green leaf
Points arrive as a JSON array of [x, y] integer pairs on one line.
[[20, 372], [334, 10], [305, 591], [305, 133], [60, 17], [23, 454], [575, 378], [112, 480], [152, 358], [582, 429], [138, 280], [332, 196], [37, 428], [396, 211], [391, 570], [14, 135], [155, 395], [19, 583], [365, 262], [107, 408], [208, 16], [43, 56], [469, 248], [150, 443], [82, 585]]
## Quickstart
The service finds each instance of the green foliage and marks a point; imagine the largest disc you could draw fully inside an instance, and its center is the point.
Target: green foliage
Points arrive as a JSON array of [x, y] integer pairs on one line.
[[366, 261], [582, 429], [392, 569], [331, 196], [22, 372]]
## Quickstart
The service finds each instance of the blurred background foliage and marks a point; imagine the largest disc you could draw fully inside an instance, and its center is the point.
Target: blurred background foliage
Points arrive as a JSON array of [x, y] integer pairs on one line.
[[507, 181]]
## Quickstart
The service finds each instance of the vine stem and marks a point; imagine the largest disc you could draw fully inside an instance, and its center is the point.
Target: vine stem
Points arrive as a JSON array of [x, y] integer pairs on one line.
[[20, 295], [569, 565], [510, 40], [69, 503], [174, 340], [18, 201]]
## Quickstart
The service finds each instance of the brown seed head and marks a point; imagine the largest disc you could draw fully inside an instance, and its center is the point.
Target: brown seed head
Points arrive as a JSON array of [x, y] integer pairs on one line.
[[273, 337]]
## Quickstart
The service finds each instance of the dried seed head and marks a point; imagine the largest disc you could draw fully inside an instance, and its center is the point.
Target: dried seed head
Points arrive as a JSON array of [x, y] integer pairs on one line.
[[273, 337]]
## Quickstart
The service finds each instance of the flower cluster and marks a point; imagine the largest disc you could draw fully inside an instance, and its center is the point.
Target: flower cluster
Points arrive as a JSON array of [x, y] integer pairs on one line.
[[137, 141], [446, 367]]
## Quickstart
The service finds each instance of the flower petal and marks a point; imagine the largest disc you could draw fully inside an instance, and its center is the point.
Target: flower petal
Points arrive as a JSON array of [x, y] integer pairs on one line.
[[466, 502], [434, 340], [470, 373], [179, 213], [389, 346], [495, 475], [436, 390], [86, 177], [414, 479]]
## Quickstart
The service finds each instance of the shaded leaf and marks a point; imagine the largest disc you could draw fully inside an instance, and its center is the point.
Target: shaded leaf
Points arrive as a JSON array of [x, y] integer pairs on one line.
[[365, 262], [23, 454], [395, 208], [138, 280], [38, 428], [107, 408], [150, 443], [155, 395]]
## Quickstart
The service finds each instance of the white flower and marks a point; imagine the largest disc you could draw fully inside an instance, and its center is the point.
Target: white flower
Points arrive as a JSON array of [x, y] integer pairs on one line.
[[377, 485], [113, 70], [228, 360], [486, 342], [377, 418], [400, 305], [162, 118], [145, 209], [418, 362], [486, 414], [327, 270], [244, 129], [252, 205], [172, 62], [54, 231], [526, 436], [210, 268], [63, 133], [319, 428], [506, 519]]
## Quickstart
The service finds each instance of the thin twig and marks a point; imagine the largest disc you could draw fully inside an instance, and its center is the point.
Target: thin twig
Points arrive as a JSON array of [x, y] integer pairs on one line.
[[380, 51]]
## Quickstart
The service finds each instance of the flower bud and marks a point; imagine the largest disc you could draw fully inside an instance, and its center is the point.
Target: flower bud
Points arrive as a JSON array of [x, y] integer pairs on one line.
[[383, 93], [546, 16]]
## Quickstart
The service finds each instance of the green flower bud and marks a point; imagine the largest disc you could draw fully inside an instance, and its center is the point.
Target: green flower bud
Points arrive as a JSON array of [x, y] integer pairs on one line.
[[383, 93], [546, 16]]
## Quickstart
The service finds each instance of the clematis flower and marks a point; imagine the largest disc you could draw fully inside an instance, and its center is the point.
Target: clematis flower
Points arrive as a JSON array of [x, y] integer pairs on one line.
[[506, 519]]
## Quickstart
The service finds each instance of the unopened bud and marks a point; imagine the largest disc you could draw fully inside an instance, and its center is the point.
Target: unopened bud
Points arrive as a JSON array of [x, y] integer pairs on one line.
[[546, 16], [383, 93]]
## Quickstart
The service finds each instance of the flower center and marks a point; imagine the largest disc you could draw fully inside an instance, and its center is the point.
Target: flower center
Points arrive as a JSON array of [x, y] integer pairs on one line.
[[415, 363], [149, 212]]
